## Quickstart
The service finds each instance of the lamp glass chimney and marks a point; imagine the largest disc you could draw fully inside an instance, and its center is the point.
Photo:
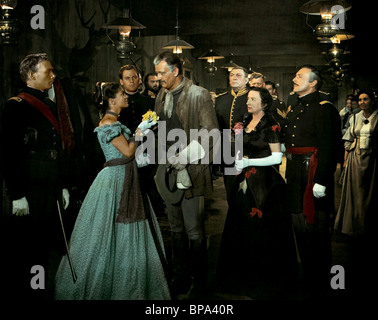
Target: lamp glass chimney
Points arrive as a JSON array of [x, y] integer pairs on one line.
[[124, 31], [326, 10], [177, 50]]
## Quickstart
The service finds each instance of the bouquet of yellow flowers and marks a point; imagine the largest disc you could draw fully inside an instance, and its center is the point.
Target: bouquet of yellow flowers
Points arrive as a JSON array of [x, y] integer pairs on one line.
[[150, 116]]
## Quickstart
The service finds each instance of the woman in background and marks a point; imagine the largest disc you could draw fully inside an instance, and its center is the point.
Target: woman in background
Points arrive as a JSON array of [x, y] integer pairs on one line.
[[116, 246], [357, 213]]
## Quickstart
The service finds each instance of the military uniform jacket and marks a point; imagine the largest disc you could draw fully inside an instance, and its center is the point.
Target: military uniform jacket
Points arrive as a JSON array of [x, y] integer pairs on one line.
[[150, 99], [31, 148], [278, 109], [131, 116], [230, 108], [315, 122]]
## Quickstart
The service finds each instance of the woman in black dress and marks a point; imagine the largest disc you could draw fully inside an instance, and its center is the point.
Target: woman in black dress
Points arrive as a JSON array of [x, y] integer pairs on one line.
[[257, 254]]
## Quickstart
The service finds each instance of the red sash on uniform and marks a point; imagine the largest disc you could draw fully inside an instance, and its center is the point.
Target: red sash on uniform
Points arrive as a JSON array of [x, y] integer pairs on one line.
[[42, 107], [308, 197]]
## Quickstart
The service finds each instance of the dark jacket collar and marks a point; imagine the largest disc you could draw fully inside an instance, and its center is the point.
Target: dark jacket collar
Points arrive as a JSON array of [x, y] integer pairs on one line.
[[309, 97], [41, 95]]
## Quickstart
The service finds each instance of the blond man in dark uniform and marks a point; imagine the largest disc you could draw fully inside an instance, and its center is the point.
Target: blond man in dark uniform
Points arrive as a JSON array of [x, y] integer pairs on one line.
[[34, 144]]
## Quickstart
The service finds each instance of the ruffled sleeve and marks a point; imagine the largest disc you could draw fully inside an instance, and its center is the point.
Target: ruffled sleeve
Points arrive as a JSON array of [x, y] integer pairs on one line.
[[107, 132]]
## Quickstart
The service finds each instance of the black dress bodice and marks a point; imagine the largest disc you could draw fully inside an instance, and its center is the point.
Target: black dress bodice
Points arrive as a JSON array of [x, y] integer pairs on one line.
[[256, 142]]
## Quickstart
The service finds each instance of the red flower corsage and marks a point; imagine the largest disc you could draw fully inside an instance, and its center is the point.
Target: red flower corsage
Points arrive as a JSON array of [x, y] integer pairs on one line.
[[250, 171], [255, 211], [276, 128], [238, 128]]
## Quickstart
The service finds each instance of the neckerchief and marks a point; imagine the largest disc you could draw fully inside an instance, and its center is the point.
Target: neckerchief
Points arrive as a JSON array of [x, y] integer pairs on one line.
[[168, 104]]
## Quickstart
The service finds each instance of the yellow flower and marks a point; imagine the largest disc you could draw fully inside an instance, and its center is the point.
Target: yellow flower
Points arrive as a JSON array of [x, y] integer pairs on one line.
[[150, 116]]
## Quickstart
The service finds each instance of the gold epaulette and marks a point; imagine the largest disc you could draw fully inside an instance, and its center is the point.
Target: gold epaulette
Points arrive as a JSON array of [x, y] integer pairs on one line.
[[18, 99], [324, 102]]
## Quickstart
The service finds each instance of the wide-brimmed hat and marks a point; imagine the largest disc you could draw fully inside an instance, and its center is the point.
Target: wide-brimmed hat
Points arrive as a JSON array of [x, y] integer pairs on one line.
[[166, 183]]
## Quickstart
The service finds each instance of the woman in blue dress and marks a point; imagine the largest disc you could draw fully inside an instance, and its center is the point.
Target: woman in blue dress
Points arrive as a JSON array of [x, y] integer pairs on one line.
[[116, 247]]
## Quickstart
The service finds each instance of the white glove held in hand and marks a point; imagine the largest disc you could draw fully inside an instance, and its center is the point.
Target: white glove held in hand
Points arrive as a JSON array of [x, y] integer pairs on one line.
[[20, 207], [66, 198], [146, 124], [318, 190], [178, 161], [190, 154]]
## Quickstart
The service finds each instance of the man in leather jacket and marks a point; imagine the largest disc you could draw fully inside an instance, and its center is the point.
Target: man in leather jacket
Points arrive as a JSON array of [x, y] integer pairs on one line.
[[184, 106]]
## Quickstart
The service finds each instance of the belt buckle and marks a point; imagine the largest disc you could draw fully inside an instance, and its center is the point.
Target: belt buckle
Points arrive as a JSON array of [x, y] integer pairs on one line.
[[53, 154]]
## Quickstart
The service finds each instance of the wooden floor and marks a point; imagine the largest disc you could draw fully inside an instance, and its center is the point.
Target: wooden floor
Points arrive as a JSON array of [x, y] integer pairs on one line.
[[215, 215]]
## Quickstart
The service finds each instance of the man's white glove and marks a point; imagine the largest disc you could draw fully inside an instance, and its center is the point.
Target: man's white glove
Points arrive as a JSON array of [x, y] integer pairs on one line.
[[66, 198], [191, 154], [146, 124], [178, 161], [273, 159], [318, 190], [20, 207]]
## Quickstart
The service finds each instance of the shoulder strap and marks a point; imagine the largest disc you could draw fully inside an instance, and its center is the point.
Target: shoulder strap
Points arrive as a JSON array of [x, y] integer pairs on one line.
[[40, 106]]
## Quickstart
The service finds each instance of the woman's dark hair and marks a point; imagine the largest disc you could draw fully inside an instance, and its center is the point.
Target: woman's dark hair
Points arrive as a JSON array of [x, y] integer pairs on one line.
[[266, 98], [29, 63], [372, 96], [103, 92]]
